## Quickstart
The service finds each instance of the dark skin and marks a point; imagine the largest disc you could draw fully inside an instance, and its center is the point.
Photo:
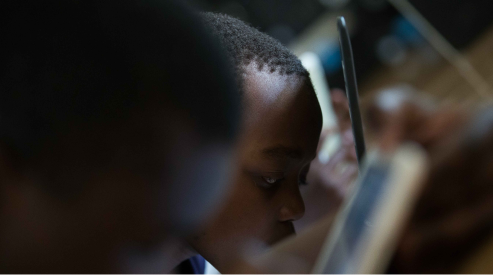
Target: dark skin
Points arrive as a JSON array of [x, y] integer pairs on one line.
[[119, 209], [452, 220], [282, 124]]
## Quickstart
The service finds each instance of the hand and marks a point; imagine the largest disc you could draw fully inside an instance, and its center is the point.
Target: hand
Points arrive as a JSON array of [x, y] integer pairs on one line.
[[341, 109], [329, 183], [336, 175]]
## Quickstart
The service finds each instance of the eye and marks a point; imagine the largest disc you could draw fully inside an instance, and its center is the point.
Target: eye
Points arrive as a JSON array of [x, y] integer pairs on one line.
[[302, 182], [268, 181], [302, 178]]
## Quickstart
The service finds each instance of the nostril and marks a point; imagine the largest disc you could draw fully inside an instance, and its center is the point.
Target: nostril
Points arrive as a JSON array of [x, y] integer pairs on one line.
[[292, 204], [291, 213]]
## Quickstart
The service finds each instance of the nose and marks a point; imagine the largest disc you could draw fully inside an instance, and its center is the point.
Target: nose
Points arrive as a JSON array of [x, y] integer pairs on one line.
[[292, 205]]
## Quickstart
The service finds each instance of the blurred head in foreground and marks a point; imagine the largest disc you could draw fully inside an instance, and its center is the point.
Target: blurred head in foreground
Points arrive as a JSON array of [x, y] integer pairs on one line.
[[279, 136], [111, 113]]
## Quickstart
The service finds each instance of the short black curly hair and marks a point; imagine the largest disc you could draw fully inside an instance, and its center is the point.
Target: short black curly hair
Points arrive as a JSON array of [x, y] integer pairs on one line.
[[246, 44]]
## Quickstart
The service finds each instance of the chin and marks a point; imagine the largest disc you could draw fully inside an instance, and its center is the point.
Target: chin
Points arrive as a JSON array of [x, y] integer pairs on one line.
[[282, 231]]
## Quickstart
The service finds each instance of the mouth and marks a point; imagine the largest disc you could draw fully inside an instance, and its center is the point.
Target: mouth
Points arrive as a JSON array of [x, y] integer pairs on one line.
[[282, 231]]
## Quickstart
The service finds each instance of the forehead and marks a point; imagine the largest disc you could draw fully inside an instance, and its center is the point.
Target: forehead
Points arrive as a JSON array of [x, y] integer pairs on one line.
[[264, 87], [281, 110]]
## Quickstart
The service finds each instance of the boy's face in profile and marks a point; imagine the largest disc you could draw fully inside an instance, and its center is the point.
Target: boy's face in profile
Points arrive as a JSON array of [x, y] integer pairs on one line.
[[282, 124]]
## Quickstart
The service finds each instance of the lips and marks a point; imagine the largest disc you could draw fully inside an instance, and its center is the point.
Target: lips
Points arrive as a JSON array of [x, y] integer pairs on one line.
[[282, 231]]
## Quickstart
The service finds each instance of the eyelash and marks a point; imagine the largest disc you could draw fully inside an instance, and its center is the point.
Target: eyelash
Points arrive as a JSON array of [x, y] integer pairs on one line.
[[302, 182], [266, 184]]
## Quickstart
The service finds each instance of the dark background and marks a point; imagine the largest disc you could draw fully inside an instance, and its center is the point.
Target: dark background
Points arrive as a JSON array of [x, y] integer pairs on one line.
[[459, 21]]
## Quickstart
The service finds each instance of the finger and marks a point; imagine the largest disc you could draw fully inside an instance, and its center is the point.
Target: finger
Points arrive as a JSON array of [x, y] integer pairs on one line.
[[340, 104], [342, 178], [323, 136], [348, 175], [348, 144], [335, 159], [347, 137]]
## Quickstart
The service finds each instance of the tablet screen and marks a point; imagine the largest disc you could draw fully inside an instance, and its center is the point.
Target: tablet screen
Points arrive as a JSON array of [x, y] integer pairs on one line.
[[358, 219], [365, 232]]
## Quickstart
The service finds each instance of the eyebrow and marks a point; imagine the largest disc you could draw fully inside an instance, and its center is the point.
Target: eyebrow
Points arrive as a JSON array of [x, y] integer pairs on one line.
[[281, 151]]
